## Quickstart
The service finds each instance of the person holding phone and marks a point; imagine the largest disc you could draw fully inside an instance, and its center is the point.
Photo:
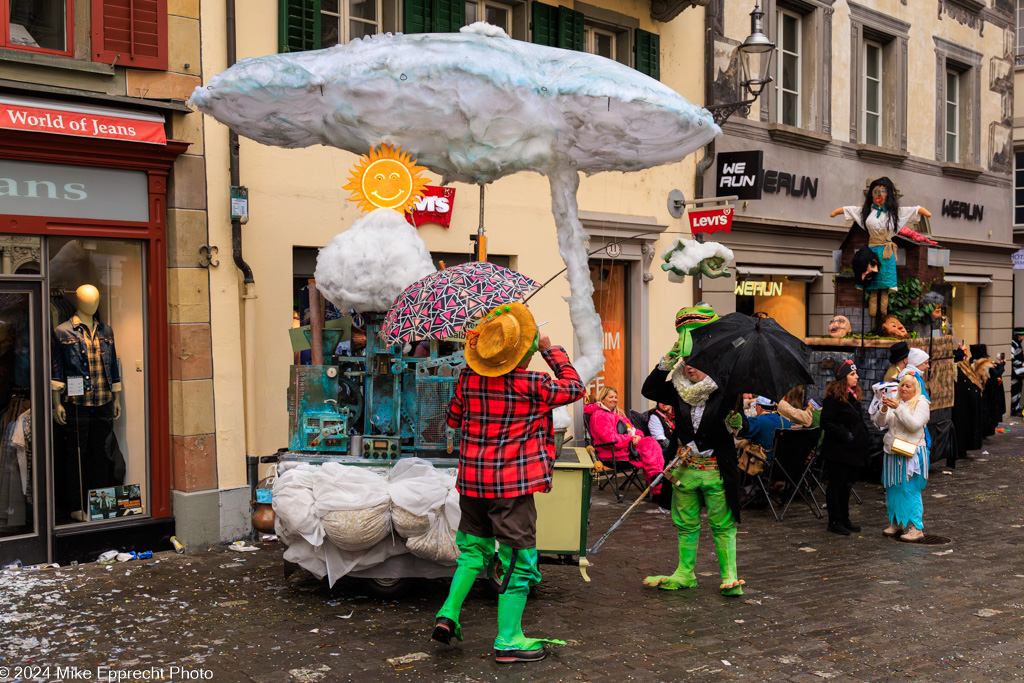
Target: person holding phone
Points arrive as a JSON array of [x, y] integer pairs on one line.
[[906, 461]]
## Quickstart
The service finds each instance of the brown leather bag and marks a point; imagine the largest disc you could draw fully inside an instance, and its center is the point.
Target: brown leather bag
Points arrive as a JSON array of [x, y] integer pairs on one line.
[[747, 462]]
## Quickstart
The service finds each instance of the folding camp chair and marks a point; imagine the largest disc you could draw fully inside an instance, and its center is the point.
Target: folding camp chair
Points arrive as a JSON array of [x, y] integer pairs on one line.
[[793, 458], [605, 454], [639, 420]]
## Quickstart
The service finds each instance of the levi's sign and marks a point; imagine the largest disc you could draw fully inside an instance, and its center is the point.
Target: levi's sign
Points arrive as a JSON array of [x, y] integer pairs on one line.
[[435, 206], [86, 125], [711, 220]]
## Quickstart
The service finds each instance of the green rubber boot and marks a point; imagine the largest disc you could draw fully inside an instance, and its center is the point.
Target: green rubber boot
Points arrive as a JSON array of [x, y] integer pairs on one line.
[[511, 645], [686, 505], [475, 555], [683, 576], [725, 546]]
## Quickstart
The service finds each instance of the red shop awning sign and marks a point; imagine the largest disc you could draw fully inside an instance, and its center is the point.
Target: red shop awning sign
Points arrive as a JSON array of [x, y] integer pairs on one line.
[[81, 122]]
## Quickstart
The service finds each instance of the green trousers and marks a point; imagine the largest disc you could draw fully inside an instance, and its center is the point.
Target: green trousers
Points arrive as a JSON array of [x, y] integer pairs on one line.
[[475, 558], [699, 488]]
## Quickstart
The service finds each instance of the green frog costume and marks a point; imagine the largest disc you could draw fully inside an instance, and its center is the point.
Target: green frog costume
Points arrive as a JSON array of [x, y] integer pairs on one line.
[[708, 476]]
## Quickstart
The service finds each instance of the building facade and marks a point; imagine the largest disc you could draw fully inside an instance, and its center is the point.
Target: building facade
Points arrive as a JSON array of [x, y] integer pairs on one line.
[[101, 178], [915, 90], [1018, 165]]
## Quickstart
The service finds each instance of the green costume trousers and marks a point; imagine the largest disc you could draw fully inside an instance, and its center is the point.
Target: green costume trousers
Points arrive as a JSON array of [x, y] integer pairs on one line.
[[476, 556], [696, 488]]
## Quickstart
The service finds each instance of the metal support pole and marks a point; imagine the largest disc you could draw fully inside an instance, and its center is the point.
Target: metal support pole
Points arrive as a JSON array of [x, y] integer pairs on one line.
[[481, 238]]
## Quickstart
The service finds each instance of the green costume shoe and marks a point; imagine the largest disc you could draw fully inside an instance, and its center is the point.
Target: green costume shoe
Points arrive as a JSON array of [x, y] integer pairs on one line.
[[725, 545], [475, 555], [686, 517], [511, 645], [683, 576]]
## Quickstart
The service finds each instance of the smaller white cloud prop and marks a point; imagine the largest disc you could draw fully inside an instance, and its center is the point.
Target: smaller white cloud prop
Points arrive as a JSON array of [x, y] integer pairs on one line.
[[366, 267], [688, 258]]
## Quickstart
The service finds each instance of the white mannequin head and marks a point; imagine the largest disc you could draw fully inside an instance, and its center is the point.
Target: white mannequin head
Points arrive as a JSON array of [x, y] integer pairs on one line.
[[88, 299]]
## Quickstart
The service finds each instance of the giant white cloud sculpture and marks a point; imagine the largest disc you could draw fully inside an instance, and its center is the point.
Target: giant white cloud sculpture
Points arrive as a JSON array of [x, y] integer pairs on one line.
[[472, 106]]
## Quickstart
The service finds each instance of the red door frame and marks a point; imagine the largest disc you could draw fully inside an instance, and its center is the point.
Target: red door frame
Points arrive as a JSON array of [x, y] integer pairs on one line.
[[156, 161]]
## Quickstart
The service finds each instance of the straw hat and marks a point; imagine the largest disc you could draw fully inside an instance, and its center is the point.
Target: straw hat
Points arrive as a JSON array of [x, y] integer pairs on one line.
[[501, 340]]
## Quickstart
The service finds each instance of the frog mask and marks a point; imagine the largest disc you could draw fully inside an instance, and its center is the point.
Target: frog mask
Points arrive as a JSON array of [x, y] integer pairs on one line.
[[687, 320]]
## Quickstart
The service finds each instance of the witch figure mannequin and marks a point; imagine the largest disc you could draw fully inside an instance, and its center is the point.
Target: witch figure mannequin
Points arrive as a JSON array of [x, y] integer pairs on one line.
[[883, 218]]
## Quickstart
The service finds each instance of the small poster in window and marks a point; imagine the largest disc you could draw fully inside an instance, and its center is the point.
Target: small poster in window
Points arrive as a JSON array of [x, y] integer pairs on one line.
[[115, 501], [102, 503]]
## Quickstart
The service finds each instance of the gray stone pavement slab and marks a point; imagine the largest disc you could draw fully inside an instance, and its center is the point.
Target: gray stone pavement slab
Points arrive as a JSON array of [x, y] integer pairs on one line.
[[818, 607]]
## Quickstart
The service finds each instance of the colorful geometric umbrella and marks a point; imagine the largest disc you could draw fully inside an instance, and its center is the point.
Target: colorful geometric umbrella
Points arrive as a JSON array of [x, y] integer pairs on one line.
[[443, 303]]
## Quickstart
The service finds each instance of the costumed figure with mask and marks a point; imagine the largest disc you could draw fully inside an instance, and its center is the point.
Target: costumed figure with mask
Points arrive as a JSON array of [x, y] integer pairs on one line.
[[993, 399], [1017, 365], [968, 411], [507, 454], [883, 219], [709, 475], [936, 320], [86, 383]]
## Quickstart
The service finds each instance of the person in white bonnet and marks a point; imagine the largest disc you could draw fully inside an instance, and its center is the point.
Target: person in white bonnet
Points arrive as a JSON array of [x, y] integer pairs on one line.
[[918, 358], [918, 365]]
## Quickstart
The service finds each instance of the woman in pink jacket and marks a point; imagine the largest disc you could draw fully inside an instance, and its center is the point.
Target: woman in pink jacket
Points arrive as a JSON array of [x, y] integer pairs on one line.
[[605, 416]]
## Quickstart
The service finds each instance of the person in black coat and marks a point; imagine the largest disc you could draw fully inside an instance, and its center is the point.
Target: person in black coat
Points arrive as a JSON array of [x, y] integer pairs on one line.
[[709, 478], [845, 446], [968, 409]]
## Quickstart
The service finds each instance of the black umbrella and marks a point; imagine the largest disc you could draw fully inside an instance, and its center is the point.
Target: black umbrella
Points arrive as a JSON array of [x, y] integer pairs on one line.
[[744, 355]]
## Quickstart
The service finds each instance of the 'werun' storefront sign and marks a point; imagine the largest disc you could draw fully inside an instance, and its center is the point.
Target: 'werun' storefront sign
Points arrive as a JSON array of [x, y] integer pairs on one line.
[[81, 122]]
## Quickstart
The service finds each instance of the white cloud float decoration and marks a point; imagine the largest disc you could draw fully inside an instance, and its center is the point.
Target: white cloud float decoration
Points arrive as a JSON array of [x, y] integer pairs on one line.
[[472, 106]]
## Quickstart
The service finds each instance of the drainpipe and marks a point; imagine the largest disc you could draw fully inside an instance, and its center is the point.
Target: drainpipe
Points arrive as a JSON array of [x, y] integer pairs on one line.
[[249, 296]]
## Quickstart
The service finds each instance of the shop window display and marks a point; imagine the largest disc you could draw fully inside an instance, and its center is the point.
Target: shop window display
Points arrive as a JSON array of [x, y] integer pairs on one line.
[[778, 297], [98, 343], [16, 489]]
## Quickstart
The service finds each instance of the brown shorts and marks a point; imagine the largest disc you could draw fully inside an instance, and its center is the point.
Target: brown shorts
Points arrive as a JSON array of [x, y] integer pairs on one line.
[[512, 521]]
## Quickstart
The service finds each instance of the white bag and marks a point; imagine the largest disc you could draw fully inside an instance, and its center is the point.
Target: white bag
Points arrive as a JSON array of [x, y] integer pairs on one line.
[[415, 487], [355, 530], [294, 505], [353, 504], [438, 544]]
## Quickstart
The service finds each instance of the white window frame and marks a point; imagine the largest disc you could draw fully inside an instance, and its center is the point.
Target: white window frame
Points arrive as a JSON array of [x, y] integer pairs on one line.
[[1018, 205], [780, 92], [343, 18], [481, 12], [590, 34], [1019, 56], [952, 100], [878, 83]]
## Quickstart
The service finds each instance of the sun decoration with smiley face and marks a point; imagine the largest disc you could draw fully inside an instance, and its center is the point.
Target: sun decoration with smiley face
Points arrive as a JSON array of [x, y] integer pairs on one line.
[[387, 178]]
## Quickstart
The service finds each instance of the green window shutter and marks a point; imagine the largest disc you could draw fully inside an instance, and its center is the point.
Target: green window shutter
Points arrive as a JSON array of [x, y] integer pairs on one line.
[[448, 15], [417, 16], [545, 24], [648, 53], [298, 25], [570, 29]]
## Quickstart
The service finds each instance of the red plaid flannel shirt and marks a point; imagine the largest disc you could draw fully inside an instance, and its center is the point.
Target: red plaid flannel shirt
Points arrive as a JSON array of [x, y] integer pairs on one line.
[[508, 444]]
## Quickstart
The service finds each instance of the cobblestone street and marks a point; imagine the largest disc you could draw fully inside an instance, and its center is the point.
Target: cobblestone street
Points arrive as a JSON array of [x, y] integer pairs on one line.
[[817, 607]]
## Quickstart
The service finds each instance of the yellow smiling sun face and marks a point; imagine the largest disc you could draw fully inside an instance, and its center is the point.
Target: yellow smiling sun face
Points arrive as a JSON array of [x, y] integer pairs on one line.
[[387, 178]]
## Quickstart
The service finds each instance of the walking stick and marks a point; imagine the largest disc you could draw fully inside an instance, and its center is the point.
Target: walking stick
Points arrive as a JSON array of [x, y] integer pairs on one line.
[[665, 474]]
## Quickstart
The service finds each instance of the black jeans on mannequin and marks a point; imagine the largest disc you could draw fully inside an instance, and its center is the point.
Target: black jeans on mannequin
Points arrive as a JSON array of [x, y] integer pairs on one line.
[[90, 459]]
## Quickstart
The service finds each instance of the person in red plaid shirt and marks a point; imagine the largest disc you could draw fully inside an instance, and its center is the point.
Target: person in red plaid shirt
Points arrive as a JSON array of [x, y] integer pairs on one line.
[[507, 454]]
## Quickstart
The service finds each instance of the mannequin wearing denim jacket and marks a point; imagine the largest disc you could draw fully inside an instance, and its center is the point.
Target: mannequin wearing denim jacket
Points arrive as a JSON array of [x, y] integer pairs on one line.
[[84, 352]]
